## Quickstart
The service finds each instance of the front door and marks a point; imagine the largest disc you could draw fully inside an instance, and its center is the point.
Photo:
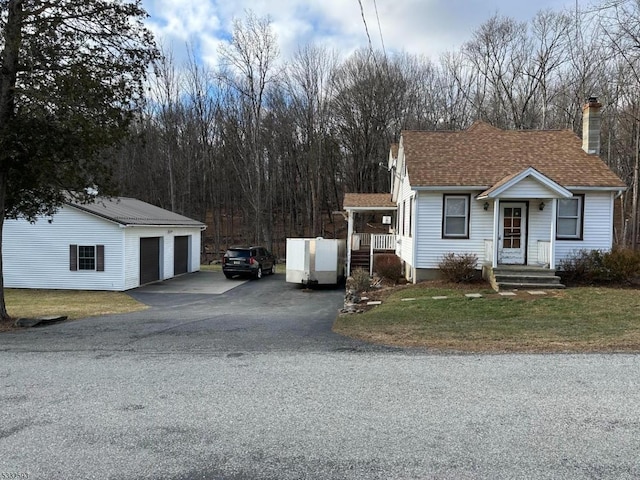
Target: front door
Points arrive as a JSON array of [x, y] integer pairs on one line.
[[513, 233]]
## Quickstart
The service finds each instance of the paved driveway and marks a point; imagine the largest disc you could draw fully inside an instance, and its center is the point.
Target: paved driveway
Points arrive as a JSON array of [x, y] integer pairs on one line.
[[188, 314], [251, 384]]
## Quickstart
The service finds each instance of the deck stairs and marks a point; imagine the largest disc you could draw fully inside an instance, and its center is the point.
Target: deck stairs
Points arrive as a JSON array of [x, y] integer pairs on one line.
[[360, 259]]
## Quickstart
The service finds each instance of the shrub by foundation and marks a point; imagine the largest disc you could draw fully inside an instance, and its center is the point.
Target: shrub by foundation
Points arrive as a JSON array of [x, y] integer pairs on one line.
[[388, 266], [360, 281], [458, 268], [600, 267]]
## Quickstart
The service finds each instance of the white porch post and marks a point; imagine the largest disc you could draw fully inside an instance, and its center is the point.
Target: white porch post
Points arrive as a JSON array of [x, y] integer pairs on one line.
[[496, 232], [349, 241], [552, 234]]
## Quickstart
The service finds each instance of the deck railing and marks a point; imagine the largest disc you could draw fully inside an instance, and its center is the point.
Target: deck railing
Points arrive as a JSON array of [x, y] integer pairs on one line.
[[383, 242]]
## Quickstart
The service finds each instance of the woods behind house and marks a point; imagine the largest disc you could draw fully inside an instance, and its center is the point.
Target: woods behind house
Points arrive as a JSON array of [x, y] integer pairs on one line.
[[263, 147]]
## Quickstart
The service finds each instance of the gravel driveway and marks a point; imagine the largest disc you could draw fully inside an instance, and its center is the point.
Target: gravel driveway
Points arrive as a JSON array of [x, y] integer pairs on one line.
[[251, 384]]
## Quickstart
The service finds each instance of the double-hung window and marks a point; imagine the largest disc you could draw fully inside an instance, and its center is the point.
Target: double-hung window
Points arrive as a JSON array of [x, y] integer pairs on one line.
[[455, 218], [570, 214], [86, 258]]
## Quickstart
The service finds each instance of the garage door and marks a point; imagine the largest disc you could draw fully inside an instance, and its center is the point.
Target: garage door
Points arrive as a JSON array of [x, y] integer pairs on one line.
[[149, 260], [181, 255]]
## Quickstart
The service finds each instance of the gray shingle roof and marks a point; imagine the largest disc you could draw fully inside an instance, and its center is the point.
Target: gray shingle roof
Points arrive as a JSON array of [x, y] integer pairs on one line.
[[129, 211]]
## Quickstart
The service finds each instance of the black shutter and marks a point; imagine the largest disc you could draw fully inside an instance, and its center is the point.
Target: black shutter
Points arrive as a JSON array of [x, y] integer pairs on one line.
[[73, 257], [100, 258]]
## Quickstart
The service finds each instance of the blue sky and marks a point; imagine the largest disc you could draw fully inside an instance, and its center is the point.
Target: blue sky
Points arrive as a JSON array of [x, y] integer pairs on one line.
[[428, 27]]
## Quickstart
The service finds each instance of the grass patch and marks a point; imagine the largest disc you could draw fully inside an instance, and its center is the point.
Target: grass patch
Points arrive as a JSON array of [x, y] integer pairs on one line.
[[23, 303], [584, 319]]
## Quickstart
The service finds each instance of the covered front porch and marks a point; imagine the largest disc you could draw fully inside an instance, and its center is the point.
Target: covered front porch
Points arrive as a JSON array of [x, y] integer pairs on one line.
[[524, 222], [521, 252], [371, 219]]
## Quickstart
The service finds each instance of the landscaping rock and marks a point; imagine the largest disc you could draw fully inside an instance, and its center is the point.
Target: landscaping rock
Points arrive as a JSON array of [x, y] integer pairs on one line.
[[32, 322], [351, 300]]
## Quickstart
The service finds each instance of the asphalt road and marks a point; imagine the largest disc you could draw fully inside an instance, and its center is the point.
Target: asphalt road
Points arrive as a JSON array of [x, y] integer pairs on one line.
[[251, 384]]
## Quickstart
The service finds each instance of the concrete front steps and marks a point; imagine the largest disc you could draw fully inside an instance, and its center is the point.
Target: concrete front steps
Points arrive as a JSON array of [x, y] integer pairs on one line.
[[514, 277]]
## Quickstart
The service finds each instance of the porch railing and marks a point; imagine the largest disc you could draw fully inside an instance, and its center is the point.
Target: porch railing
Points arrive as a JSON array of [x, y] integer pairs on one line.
[[383, 242], [360, 240], [544, 252], [380, 242], [488, 251], [365, 241]]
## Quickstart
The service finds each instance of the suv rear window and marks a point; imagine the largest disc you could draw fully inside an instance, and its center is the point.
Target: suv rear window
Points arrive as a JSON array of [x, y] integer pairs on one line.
[[238, 253]]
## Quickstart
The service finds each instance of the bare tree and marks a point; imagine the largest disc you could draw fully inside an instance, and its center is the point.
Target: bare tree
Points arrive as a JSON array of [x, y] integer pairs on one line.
[[307, 83], [248, 67]]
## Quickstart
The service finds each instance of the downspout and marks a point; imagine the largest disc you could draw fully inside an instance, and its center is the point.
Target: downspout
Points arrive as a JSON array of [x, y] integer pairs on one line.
[[349, 241], [496, 231], [414, 236], [552, 243]]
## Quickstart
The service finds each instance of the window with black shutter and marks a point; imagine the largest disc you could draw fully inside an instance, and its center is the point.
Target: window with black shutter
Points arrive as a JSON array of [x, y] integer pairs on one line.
[[86, 258]]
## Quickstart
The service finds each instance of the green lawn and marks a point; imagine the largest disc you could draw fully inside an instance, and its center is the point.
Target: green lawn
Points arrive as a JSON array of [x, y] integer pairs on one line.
[[573, 320], [23, 303]]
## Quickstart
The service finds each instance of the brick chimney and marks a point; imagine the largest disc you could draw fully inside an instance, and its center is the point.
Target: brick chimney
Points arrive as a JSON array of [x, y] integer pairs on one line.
[[591, 126]]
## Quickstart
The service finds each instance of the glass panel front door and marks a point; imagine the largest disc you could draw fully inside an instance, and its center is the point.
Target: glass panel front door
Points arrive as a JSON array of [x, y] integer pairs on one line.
[[512, 245]]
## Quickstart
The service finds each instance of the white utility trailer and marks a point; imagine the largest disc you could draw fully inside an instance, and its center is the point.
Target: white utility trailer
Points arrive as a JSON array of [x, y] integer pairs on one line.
[[315, 261]]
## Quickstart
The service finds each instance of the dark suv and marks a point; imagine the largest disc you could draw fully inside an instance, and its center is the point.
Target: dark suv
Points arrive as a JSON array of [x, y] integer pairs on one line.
[[248, 261]]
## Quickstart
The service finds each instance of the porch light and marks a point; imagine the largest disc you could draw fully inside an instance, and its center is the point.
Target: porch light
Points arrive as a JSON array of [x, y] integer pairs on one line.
[[486, 206], [541, 206]]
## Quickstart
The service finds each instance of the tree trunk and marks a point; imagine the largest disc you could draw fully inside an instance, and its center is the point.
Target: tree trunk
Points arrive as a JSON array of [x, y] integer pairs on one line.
[[634, 199], [8, 74], [3, 191]]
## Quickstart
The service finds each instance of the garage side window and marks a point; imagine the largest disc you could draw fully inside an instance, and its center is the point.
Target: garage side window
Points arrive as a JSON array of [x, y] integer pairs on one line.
[[86, 258]]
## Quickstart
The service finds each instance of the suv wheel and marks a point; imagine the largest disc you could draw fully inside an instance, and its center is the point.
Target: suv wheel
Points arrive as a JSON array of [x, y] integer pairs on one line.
[[258, 274]]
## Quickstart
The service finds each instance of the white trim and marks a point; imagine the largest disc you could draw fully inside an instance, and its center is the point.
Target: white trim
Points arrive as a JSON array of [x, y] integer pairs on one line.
[[467, 216], [597, 189], [363, 209], [496, 232], [451, 188], [519, 255], [349, 240], [552, 236], [536, 175], [579, 218]]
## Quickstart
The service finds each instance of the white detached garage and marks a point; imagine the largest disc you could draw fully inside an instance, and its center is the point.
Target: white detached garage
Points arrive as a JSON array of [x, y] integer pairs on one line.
[[113, 244]]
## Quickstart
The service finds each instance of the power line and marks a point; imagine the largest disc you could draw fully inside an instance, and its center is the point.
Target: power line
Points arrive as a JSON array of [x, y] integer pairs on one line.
[[366, 29], [375, 5]]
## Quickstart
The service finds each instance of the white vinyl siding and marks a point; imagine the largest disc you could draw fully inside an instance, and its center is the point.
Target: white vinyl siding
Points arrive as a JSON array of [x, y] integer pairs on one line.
[[539, 229], [597, 230], [404, 248], [527, 189], [167, 244], [430, 246], [37, 255]]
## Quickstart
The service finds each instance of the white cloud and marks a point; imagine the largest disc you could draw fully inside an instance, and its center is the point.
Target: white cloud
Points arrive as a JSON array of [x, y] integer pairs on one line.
[[427, 27]]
